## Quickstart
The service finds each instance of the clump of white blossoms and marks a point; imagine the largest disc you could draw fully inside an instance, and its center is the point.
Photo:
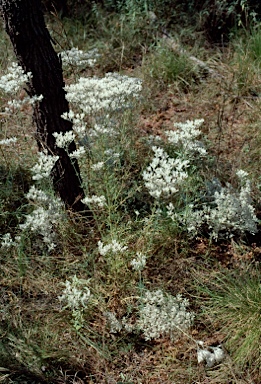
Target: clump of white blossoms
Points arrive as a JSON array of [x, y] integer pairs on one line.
[[185, 137], [113, 92], [44, 166], [7, 241], [163, 314], [118, 325], [113, 247], [76, 294], [14, 79], [99, 201], [97, 166], [114, 324], [139, 262], [16, 104], [106, 128], [45, 216], [231, 212], [77, 119], [77, 57], [64, 139], [164, 175], [11, 140]]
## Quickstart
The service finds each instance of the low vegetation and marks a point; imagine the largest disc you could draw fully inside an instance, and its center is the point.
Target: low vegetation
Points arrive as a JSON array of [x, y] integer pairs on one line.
[[163, 286]]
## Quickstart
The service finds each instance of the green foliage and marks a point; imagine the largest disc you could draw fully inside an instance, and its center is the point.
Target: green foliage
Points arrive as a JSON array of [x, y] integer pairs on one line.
[[232, 301], [168, 66], [14, 183]]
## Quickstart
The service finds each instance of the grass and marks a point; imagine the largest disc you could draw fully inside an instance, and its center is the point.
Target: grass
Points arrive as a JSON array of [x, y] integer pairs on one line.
[[232, 302], [45, 341]]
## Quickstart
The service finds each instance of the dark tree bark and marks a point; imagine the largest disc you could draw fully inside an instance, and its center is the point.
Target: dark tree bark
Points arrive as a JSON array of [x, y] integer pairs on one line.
[[25, 25]]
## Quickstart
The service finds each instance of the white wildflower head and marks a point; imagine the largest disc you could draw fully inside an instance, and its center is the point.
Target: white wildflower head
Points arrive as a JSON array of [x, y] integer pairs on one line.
[[114, 92], [114, 324], [7, 241], [14, 79], [44, 166], [77, 57], [97, 166], [113, 247], [164, 175], [12, 140], [229, 212], [64, 139], [139, 262], [79, 125], [99, 201], [78, 153], [163, 314], [46, 215], [185, 137], [100, 129], [76, 294]]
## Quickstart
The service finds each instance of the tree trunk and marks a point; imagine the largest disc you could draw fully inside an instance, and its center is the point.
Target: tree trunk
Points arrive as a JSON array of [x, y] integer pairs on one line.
[[25, 25]]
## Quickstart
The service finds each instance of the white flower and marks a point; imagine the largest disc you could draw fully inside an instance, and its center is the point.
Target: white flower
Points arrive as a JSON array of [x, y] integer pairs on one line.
[[114, 92], [114, 323], [100, 201], [231, 212], [163, 314], [97, 166], [79, 125], [113, 247], [78, 153], [7, 241], [14, 79], [139, 263], [164, 175], [47, 214], [63, 139], [75, 296], [185, 137], [44, 166], [12, 140], [77, 57]]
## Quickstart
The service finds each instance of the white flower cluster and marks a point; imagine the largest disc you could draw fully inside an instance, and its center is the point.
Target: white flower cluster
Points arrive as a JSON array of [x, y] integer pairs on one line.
[[139, 262], [16, 104], [7, 241], [44, 166], [111, 93], [210, 355], [107, 129], [185, 137], [113, 247], [78, 153], [97, 166], [79, 125], [231, 212], [12, 140], [118, 325], [163, 314], [76, 294], [99, 201], [114, 323], [234, 211], [63, 139], [14, 79], [43, 218], [77, 57], [164, 175]]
